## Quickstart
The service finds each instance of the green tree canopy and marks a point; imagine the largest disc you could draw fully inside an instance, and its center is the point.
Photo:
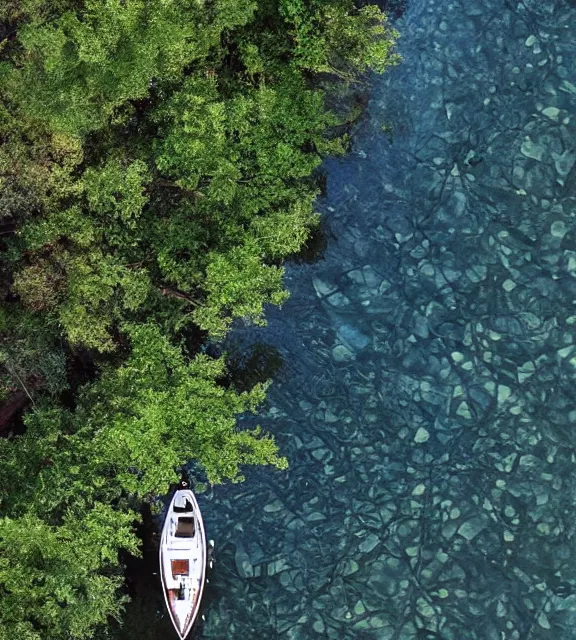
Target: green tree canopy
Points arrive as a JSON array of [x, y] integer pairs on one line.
[[160, 160], [61, 581]]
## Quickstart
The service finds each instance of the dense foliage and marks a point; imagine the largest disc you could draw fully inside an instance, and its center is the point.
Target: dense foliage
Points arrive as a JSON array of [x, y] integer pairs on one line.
[[158, 162]]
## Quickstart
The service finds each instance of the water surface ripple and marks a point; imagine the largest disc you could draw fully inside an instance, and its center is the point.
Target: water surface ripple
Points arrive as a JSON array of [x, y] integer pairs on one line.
[[427, 401]]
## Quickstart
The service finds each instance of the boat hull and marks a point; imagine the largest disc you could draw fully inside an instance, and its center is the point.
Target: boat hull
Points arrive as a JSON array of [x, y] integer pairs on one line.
[[183, 554]]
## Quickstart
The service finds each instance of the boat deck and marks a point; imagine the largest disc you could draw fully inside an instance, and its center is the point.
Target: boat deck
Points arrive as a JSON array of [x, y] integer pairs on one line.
[[183, 559]]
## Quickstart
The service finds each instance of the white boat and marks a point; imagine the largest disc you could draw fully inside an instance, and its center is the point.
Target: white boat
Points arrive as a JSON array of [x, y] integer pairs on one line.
[[183, 554]]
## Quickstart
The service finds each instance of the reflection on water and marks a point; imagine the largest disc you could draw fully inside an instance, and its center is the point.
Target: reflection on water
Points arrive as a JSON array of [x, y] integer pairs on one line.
[[427, 397]]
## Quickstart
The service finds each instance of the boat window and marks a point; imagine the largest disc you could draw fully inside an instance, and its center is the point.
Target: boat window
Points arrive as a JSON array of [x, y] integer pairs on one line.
[[185, 528], [185, 508]]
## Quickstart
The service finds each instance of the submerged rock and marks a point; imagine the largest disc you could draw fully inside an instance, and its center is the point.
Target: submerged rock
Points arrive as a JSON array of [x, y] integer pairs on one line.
[[421, 436], [471, 529]]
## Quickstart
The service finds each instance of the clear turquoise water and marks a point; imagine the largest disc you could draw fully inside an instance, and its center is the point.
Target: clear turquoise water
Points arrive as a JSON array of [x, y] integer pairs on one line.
[[427, 402]]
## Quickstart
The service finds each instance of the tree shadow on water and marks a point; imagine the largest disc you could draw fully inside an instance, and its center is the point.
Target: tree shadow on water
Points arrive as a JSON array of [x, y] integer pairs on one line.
[[249, 366]]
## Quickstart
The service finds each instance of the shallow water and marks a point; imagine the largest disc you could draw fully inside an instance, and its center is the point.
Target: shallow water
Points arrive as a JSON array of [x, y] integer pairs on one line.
[[427, 401], [427, 398]]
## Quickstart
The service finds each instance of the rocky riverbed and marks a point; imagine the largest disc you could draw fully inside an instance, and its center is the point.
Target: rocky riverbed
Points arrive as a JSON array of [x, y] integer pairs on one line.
[[427, 402]]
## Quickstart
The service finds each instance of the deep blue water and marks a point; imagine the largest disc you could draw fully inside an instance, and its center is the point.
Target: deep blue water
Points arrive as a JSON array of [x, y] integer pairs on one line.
[[427, 400]]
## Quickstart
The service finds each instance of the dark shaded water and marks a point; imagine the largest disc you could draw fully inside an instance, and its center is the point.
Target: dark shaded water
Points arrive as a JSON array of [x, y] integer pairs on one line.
[[427, 404]]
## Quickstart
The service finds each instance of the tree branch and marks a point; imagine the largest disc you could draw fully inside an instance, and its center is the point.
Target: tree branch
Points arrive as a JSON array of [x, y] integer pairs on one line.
[[175, 293]]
